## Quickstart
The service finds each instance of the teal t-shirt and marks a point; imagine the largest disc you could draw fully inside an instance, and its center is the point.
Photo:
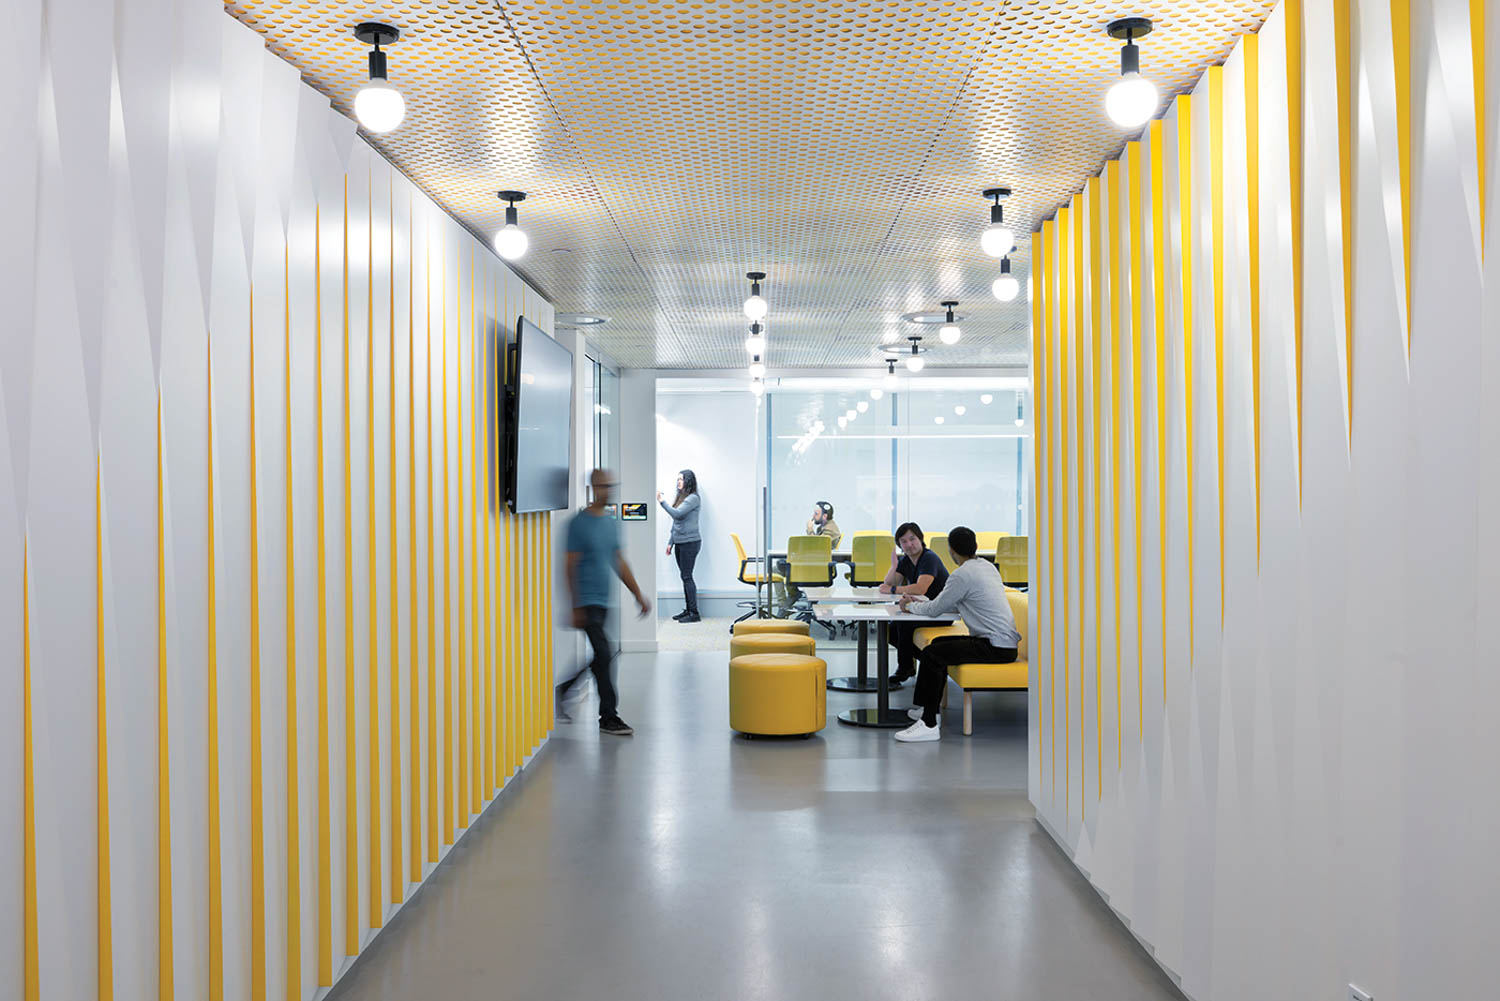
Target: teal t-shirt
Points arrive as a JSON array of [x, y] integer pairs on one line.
[[596, 540]]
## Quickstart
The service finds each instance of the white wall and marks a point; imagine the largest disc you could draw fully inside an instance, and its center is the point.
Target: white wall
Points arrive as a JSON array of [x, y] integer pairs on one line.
[[1265, 730], [637, 483], [715, 435], [239, 419]]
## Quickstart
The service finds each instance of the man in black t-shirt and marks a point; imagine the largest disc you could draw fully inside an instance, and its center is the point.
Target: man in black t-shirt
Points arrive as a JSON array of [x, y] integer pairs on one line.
[[918, 572]]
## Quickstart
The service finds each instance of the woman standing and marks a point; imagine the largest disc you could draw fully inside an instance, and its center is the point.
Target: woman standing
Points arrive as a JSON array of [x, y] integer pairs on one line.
[[685, 539]]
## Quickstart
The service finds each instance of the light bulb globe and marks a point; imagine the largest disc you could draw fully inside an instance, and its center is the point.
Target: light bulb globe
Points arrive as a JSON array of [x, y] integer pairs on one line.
[[843, 422], [997, 239], [937, 420], [986, 398], [755, 344], [511, 242], [1020, 422], [915, 363], [379, 106], [1131, 101], [876, 393], [757, 369], [950, 333], [755, 308], [1006, 288], [960, 410], [757, 387], [889, 379], [862, 406]]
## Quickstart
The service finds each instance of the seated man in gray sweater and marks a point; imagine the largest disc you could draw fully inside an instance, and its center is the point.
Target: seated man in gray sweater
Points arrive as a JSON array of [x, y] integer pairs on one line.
[[976, 592]]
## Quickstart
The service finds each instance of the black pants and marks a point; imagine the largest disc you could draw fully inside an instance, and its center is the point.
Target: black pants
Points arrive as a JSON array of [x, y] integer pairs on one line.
[[903, 636], [687, 555], [593, 628], [941, 654]]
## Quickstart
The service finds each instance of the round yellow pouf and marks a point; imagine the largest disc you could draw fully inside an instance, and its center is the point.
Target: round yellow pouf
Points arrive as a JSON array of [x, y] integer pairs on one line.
[[757, 627], [771, 643], [778, 694]]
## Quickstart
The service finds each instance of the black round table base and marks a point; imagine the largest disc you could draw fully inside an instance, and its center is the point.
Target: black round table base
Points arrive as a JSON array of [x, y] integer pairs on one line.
[[854, 684], [892, 719]]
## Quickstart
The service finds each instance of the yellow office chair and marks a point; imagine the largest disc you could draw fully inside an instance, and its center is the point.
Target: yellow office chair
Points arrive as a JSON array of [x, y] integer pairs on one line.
[[1013, 559], [809, 560], [989, 540], [752, 576], [939, 544], [871, 558]]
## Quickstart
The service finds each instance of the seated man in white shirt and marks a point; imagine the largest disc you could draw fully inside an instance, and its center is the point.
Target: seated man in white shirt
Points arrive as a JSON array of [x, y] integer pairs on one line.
[[976, 592]]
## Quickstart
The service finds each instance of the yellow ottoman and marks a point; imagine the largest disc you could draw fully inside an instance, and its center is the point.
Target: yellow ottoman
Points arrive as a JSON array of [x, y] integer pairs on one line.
[[758, 627], [778, 693], [771, 643]]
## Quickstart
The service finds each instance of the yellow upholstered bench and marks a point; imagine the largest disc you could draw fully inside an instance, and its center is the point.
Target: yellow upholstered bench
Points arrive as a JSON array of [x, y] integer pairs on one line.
[[740, 645], [778, 694], [759, 627], [985, 677]]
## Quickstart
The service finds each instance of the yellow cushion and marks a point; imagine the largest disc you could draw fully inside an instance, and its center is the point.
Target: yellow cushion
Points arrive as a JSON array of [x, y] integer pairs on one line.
[[753, 579], [739, 646], [778, 693], [927, 634], [763, 626], [1012, 675]]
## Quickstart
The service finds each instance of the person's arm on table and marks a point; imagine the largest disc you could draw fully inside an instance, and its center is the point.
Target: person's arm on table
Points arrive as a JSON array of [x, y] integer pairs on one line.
[[944, 603]]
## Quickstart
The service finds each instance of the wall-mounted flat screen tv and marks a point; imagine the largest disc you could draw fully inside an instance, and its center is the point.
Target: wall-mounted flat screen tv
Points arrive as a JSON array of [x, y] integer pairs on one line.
[[540, 391]]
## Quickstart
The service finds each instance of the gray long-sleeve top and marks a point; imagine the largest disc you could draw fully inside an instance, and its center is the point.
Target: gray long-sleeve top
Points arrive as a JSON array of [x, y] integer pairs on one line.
[[977, 593], [684, 519]]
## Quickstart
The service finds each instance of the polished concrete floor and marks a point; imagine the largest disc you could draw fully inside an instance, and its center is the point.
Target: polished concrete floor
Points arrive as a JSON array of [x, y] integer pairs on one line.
[[688, 863]]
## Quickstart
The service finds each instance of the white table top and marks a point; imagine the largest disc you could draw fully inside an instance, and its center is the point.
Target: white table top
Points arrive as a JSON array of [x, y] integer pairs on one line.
[[872, 612], [848, 595]]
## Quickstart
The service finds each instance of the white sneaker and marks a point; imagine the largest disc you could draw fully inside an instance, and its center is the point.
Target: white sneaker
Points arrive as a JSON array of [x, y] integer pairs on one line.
[[913, 713], [919, 731]]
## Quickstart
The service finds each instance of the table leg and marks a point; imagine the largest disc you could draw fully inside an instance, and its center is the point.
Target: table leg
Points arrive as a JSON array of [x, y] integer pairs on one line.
[[861, 682], [881, 715]]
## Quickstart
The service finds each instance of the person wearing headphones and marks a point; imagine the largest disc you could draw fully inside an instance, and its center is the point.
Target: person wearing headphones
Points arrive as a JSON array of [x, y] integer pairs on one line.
[[822, 523]]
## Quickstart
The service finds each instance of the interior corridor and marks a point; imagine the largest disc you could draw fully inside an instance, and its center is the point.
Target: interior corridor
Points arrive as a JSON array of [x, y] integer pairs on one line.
[[688, 863]]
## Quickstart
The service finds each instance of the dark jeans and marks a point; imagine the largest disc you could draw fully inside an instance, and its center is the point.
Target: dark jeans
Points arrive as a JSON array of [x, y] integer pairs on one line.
[[941, 654], [903, 636], [593, 628], [687, 555]]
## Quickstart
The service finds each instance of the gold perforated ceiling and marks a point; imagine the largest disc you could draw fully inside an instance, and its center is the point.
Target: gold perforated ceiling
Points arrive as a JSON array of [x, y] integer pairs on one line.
[[840, 146]]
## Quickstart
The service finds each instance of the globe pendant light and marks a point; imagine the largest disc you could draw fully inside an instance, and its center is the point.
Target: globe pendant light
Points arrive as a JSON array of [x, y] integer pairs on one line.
[[755, 306], [755, 343], [757, 368], [889, 379], [877, 392], [998, 238], [511, 242], [757, 387], [1005, 287], [378, 106], [915, 362], [949, 334], [1133, 99]]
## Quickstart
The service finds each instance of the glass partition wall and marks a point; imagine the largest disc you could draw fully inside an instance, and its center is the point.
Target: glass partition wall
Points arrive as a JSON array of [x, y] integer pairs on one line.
[[935, 452]]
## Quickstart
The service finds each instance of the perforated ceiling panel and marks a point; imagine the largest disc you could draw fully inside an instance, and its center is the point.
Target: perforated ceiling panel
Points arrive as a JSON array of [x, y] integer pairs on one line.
[[668, 148]]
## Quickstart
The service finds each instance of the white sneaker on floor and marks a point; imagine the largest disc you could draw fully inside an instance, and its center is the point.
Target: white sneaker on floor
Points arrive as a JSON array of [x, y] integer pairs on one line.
[[919, 731], [914, 713]]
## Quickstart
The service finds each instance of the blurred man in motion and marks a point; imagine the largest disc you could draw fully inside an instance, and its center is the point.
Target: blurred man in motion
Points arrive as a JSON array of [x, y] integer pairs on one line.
[[593, 558]]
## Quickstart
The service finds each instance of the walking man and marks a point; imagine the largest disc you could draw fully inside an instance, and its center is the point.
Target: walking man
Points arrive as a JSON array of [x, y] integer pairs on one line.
[[593, 558]]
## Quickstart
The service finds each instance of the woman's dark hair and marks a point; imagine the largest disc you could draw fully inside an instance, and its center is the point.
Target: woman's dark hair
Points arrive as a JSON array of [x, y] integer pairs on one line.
[[914, 529], [961, 542], [689, 486]]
